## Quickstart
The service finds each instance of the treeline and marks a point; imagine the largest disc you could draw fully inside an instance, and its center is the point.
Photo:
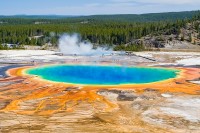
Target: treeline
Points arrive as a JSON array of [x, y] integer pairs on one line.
[[5, 47], [99, 33], [151, 17], [96, 31]]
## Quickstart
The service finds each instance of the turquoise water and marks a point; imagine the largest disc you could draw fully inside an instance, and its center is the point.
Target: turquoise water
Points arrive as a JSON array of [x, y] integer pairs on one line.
[[102, 75]]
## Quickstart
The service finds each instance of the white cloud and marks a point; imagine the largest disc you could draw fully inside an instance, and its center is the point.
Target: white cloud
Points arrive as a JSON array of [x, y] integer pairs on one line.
[[172, 2], [179, 2]]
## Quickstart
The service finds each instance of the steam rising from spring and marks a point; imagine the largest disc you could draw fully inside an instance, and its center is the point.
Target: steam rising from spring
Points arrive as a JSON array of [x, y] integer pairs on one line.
[[71, 45]]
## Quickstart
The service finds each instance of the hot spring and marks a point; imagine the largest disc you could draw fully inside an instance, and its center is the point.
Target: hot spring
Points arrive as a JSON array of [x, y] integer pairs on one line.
[[102, 75]]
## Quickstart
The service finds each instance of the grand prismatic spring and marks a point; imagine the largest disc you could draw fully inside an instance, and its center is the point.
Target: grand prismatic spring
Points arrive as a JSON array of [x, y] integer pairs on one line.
[[65, 83], [111, 98], [102, 75]]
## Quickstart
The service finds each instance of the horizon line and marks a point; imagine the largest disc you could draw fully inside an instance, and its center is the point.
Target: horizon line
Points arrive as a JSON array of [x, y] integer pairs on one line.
[[99, 14]]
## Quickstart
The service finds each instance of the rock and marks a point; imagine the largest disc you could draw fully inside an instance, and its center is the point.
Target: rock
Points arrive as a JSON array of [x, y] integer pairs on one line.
[[165, 95], [26, 83], [178, 83], [115, 91], [144, 97], [110, 91], [150, 90], [71, 89], [120, 95], [124, 97]]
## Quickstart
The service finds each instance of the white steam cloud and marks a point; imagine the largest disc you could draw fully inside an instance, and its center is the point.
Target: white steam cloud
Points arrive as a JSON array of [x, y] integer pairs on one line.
[[71, 45]]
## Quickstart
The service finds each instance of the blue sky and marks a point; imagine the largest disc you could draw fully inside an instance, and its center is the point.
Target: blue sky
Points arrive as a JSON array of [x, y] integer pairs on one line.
[[91, 7]]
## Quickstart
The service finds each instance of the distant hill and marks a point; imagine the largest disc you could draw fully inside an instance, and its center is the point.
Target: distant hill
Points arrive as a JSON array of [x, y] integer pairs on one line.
[[39, 16], [145, 17], [151, 17]]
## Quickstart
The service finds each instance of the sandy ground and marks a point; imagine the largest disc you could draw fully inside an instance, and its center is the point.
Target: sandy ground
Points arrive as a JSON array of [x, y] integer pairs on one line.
[[149, 112]]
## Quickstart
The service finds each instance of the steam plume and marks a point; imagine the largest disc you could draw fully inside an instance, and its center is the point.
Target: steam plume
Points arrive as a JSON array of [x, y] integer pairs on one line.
[[71, 45]]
